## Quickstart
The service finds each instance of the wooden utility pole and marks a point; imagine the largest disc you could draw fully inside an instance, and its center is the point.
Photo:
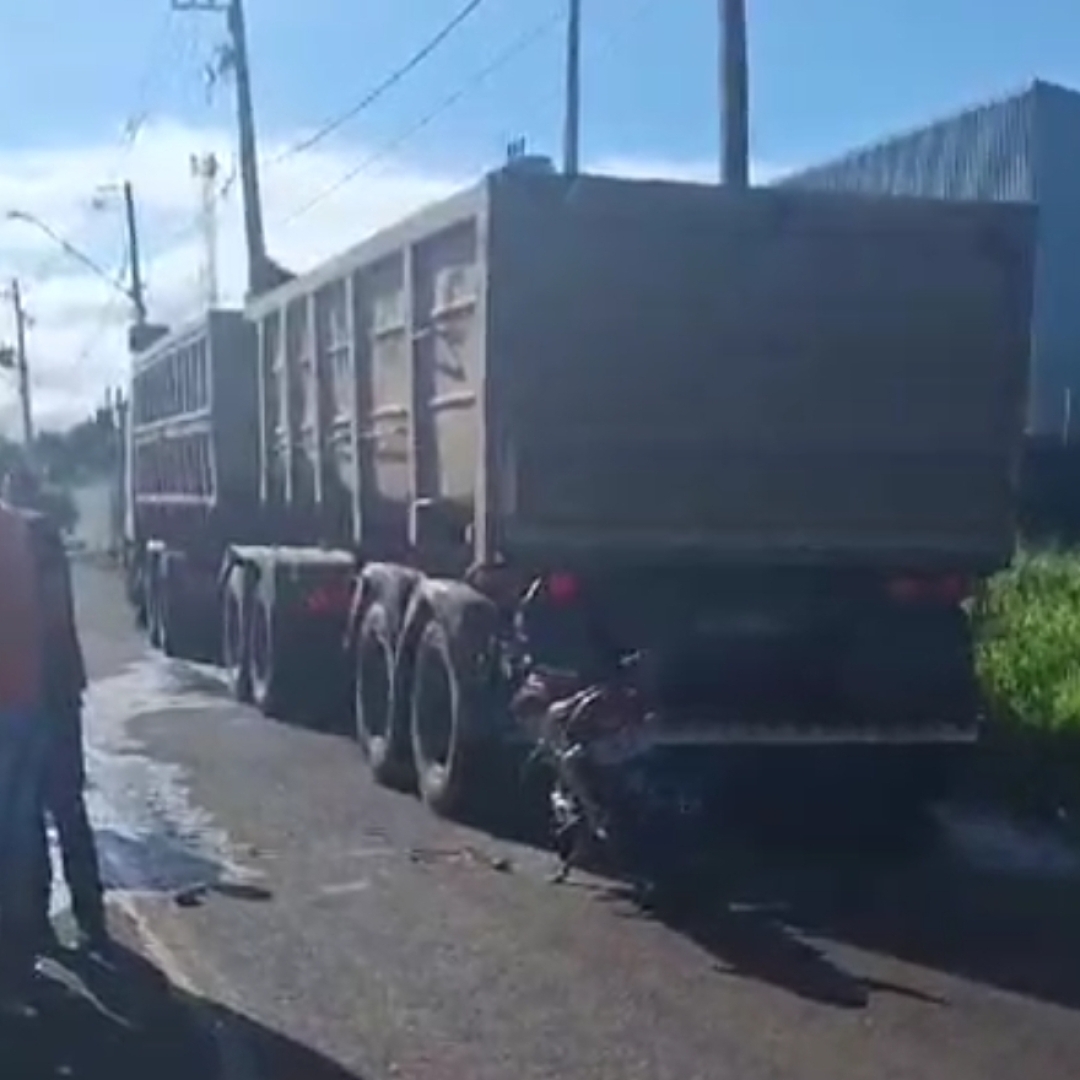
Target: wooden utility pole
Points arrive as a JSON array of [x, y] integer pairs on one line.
[[142, 333], [263, 272], [572, 129], [19, 362], [138, 295], [734, 94], [261, 276]]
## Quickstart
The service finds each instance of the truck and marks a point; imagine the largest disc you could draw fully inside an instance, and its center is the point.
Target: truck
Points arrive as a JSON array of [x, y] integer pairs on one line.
[[189, 475], [716, 470]]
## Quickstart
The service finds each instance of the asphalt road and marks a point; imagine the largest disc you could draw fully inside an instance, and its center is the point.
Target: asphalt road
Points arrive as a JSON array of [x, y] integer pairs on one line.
[[331, 929]]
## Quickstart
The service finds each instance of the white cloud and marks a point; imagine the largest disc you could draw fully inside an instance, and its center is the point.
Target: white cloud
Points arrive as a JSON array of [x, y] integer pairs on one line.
[[77, 337], [77, 340]]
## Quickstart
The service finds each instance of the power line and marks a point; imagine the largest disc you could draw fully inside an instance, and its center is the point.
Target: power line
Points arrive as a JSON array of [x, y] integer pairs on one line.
[[478, 79], [387, 84], [595, 44], [151, 71], [190, 47], [106, 316], [191, 227], [136, 121], [75, 253], [518, 45]]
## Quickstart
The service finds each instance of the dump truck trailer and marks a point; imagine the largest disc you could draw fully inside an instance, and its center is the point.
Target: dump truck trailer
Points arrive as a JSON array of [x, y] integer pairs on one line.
[[189, 475], [736, 460]]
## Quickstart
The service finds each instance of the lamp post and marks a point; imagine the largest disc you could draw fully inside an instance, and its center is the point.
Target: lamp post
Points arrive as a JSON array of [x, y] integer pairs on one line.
[[79, 256]]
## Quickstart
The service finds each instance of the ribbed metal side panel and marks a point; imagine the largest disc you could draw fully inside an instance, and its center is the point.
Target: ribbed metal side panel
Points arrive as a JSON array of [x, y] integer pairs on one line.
[[1055, 394], [1023, 148], [985, 153]]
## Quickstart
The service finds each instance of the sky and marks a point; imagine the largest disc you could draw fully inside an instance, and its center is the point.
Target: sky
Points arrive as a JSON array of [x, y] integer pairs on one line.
[[119, 89]]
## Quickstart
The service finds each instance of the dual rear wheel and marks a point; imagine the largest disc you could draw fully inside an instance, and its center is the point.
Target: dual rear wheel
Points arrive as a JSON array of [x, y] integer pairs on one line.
[[422, 711], [250, 649]]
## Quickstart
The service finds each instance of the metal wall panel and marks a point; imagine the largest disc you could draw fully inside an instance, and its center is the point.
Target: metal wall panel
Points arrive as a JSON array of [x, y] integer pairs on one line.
[[1026, 147], [1055, 393], [984, 153]]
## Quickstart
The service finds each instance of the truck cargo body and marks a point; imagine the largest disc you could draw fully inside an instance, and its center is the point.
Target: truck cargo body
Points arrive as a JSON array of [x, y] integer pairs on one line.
[[192, 467], [602, 369], [715, 470]]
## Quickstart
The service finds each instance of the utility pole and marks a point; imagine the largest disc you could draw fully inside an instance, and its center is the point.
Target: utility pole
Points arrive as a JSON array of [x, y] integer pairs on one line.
[[138, 294], [205, 168], [261, 276], [734, 94], [142, 333], [572, 130], [263, 273], [19, 363]]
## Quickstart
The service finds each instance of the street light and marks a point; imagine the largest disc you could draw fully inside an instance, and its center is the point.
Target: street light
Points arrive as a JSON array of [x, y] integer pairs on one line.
[[94, 267], [143, 333]]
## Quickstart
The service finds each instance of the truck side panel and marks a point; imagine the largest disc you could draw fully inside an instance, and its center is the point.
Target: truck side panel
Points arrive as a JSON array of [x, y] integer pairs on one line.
[[371, 387], [193, 459], [384, 417], [234, 404], [448, 367]]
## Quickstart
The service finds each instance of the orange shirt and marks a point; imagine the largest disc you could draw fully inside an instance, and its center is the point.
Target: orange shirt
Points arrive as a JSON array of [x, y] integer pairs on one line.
[[20, 616]]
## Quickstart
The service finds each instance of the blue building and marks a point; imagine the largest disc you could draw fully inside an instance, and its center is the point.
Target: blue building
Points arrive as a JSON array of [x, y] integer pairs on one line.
[[1022, 148]]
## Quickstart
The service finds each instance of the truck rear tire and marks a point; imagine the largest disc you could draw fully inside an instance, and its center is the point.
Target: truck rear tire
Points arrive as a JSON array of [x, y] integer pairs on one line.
[[170, 632], [379, 736], [267, 690], [447, 707], [154, 615], [235, 636], [135, 588]]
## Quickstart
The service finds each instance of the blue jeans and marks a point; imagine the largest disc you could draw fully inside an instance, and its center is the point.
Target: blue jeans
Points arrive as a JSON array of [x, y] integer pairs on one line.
[[64, 777], [22, 758]]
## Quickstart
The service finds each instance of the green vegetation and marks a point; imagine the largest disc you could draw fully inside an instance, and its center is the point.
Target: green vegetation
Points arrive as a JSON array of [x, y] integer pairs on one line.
[[1029, 658], [1029, 626]]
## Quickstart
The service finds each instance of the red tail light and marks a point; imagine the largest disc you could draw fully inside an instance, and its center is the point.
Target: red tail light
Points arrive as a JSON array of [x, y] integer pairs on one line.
[[330, 598], [562, 588], [945, 591]]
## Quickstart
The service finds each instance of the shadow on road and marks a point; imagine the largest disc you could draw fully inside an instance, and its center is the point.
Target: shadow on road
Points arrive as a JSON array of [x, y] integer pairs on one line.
[[758, 944], [122, 1020], [1016, 934], [778, 920]]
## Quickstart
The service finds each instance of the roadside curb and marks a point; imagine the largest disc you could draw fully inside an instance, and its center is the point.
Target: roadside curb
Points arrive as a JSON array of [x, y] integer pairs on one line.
[[232, 1058]]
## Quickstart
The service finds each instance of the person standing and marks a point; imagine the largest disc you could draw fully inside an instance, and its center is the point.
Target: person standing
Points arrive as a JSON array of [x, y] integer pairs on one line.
[[64, 773], [21, 757]]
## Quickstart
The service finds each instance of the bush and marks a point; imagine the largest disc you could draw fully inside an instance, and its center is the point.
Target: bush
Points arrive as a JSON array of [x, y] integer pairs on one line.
[[1028, 630], [1028, 626]]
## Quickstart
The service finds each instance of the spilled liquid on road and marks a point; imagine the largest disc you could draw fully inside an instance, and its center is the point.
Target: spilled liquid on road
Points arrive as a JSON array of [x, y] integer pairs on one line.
[[151, 835], [154, 838]]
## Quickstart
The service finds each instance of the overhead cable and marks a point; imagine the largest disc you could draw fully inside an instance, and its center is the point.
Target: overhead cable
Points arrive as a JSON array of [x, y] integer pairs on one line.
[[477, 80], [387, 84]]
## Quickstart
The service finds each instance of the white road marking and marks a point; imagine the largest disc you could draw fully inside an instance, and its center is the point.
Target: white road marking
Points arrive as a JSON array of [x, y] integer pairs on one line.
[[346, 888]]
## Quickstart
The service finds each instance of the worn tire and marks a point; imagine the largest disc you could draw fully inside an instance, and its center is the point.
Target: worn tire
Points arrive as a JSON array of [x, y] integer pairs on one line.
[[235, 635], [447, 709], [135, 588], [155, 610], [171, 619], [379, 735], [267, 690]]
